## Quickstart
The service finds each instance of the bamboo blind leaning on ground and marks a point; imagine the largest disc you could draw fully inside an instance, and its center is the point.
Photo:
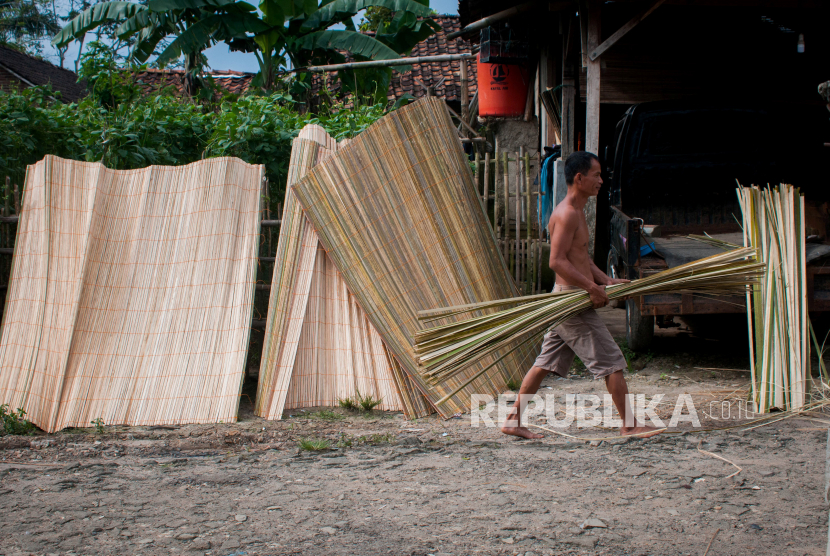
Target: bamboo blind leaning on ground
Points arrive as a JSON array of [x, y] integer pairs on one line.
[[399, 214], [777, 308], [131, 293], [319, 345]]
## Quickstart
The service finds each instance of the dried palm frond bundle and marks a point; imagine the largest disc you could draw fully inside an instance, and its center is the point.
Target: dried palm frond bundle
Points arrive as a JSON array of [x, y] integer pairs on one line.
[[319, 345], [399, 214], [715, 242], [131, 293], [773, 222], [445, 351]]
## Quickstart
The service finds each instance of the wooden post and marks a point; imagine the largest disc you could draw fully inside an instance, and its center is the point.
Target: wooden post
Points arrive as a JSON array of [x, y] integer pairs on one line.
[[519, 180], [486, 182], [496, 194], [568, 89], [506, 189], [267, 213], [592, 111], [16, 199], [530, 102], [465, 95], [6, 194], [478, 175], [528, 252]]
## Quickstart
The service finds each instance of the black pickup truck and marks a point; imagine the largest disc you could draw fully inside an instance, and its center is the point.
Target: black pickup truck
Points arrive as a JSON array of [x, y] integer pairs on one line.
[[672, 170]]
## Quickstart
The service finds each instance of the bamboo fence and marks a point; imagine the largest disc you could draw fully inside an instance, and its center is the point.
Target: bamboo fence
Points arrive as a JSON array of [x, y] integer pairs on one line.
[[398, 212], [509, 190], [319, 346], [131, 293], [773, 222]]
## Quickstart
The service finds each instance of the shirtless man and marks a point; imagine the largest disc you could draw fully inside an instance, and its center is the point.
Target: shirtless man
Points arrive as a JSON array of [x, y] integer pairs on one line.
[[585, 334]]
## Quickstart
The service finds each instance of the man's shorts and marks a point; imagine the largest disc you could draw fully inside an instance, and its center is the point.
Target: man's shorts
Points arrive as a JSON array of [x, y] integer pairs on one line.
[[584, 335]]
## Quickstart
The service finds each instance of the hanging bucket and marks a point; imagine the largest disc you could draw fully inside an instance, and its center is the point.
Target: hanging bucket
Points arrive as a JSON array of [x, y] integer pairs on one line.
[[502, 89]]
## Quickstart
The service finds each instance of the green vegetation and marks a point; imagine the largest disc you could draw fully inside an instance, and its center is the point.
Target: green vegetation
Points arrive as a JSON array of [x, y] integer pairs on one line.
[[98, 424], [360, 403], [280, 33], [119, 127], [314, 444], [326, 415], [348, 441], [14, 422], [513, 384]]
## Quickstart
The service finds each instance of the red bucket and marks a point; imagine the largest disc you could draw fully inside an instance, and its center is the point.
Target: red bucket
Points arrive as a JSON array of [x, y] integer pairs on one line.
[[502, 89]]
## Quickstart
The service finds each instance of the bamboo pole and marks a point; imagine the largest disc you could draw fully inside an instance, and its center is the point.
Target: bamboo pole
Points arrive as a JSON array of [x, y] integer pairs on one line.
[[518, 205], [496, 227], [486, 182], [16, 199], [465, 95], [478, 174], [528, 222], [506, 223]]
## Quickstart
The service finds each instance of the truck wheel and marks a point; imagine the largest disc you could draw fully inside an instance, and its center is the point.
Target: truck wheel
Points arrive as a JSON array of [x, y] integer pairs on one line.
[[639, 329]]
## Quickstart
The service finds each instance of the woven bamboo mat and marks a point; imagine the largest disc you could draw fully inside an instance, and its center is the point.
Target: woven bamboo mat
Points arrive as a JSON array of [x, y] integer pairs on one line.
[[131, 293], [319, 345], [398, 213]]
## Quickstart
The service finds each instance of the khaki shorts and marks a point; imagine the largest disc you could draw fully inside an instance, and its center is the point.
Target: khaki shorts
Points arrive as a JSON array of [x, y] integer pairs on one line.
[[584, 335]]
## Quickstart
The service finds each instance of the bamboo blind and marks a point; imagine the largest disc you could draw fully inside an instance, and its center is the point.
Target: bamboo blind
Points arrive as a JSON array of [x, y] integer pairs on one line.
[[319, 345], [399, 214], [131, 293]]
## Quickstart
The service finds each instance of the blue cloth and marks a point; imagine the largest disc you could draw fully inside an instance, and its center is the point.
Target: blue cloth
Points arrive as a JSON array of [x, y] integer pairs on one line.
[[545, 208]]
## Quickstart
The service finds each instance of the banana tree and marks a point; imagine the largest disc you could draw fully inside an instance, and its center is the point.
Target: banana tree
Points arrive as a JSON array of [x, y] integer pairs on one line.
[[280, 32]]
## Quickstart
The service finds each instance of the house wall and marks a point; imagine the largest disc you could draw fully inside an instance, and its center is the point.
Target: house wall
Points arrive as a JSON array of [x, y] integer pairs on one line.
[[8, 82]]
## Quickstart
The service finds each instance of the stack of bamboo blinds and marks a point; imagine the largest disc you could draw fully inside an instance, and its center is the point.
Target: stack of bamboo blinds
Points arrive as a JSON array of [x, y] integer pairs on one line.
[[777, 308], [131, 293], [319, 344], [446, 351], [399, 214]]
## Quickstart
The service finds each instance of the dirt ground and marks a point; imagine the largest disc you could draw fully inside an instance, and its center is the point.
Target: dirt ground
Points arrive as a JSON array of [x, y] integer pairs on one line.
[[391, 486]]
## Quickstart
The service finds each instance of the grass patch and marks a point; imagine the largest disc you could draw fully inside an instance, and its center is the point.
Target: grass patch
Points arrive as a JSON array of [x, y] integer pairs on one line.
[[314, 444], [98, 424], [326, 415], [513, 384], [347, 441], [360, 402], [14, 422]]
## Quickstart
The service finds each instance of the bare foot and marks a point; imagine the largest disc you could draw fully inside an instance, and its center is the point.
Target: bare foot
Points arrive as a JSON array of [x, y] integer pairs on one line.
[[521, 432], [628, 431]]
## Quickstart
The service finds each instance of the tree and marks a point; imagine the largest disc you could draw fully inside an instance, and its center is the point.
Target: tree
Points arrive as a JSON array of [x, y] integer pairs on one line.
[[24, 23], [281, 33]]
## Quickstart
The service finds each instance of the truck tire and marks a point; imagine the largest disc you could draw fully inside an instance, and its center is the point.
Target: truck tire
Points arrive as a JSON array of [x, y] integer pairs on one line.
[[639, 329]]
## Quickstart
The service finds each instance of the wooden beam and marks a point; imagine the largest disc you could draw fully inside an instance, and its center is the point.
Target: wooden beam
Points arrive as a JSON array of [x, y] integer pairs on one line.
[[583, 31], [622, 31], [593, 81], [592, 111], [568, 89]]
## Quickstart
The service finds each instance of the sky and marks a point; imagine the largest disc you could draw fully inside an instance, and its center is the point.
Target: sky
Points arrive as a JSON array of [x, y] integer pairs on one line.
[[220, 58]]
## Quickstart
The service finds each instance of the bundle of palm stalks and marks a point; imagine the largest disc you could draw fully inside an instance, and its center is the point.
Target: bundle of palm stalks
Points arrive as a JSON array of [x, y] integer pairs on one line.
[[714, 242], [446, 350], [777, 307]]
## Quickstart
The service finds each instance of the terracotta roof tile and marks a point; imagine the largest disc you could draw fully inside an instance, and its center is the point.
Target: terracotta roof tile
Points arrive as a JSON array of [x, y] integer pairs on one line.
[[429, 74], [153, 80]]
